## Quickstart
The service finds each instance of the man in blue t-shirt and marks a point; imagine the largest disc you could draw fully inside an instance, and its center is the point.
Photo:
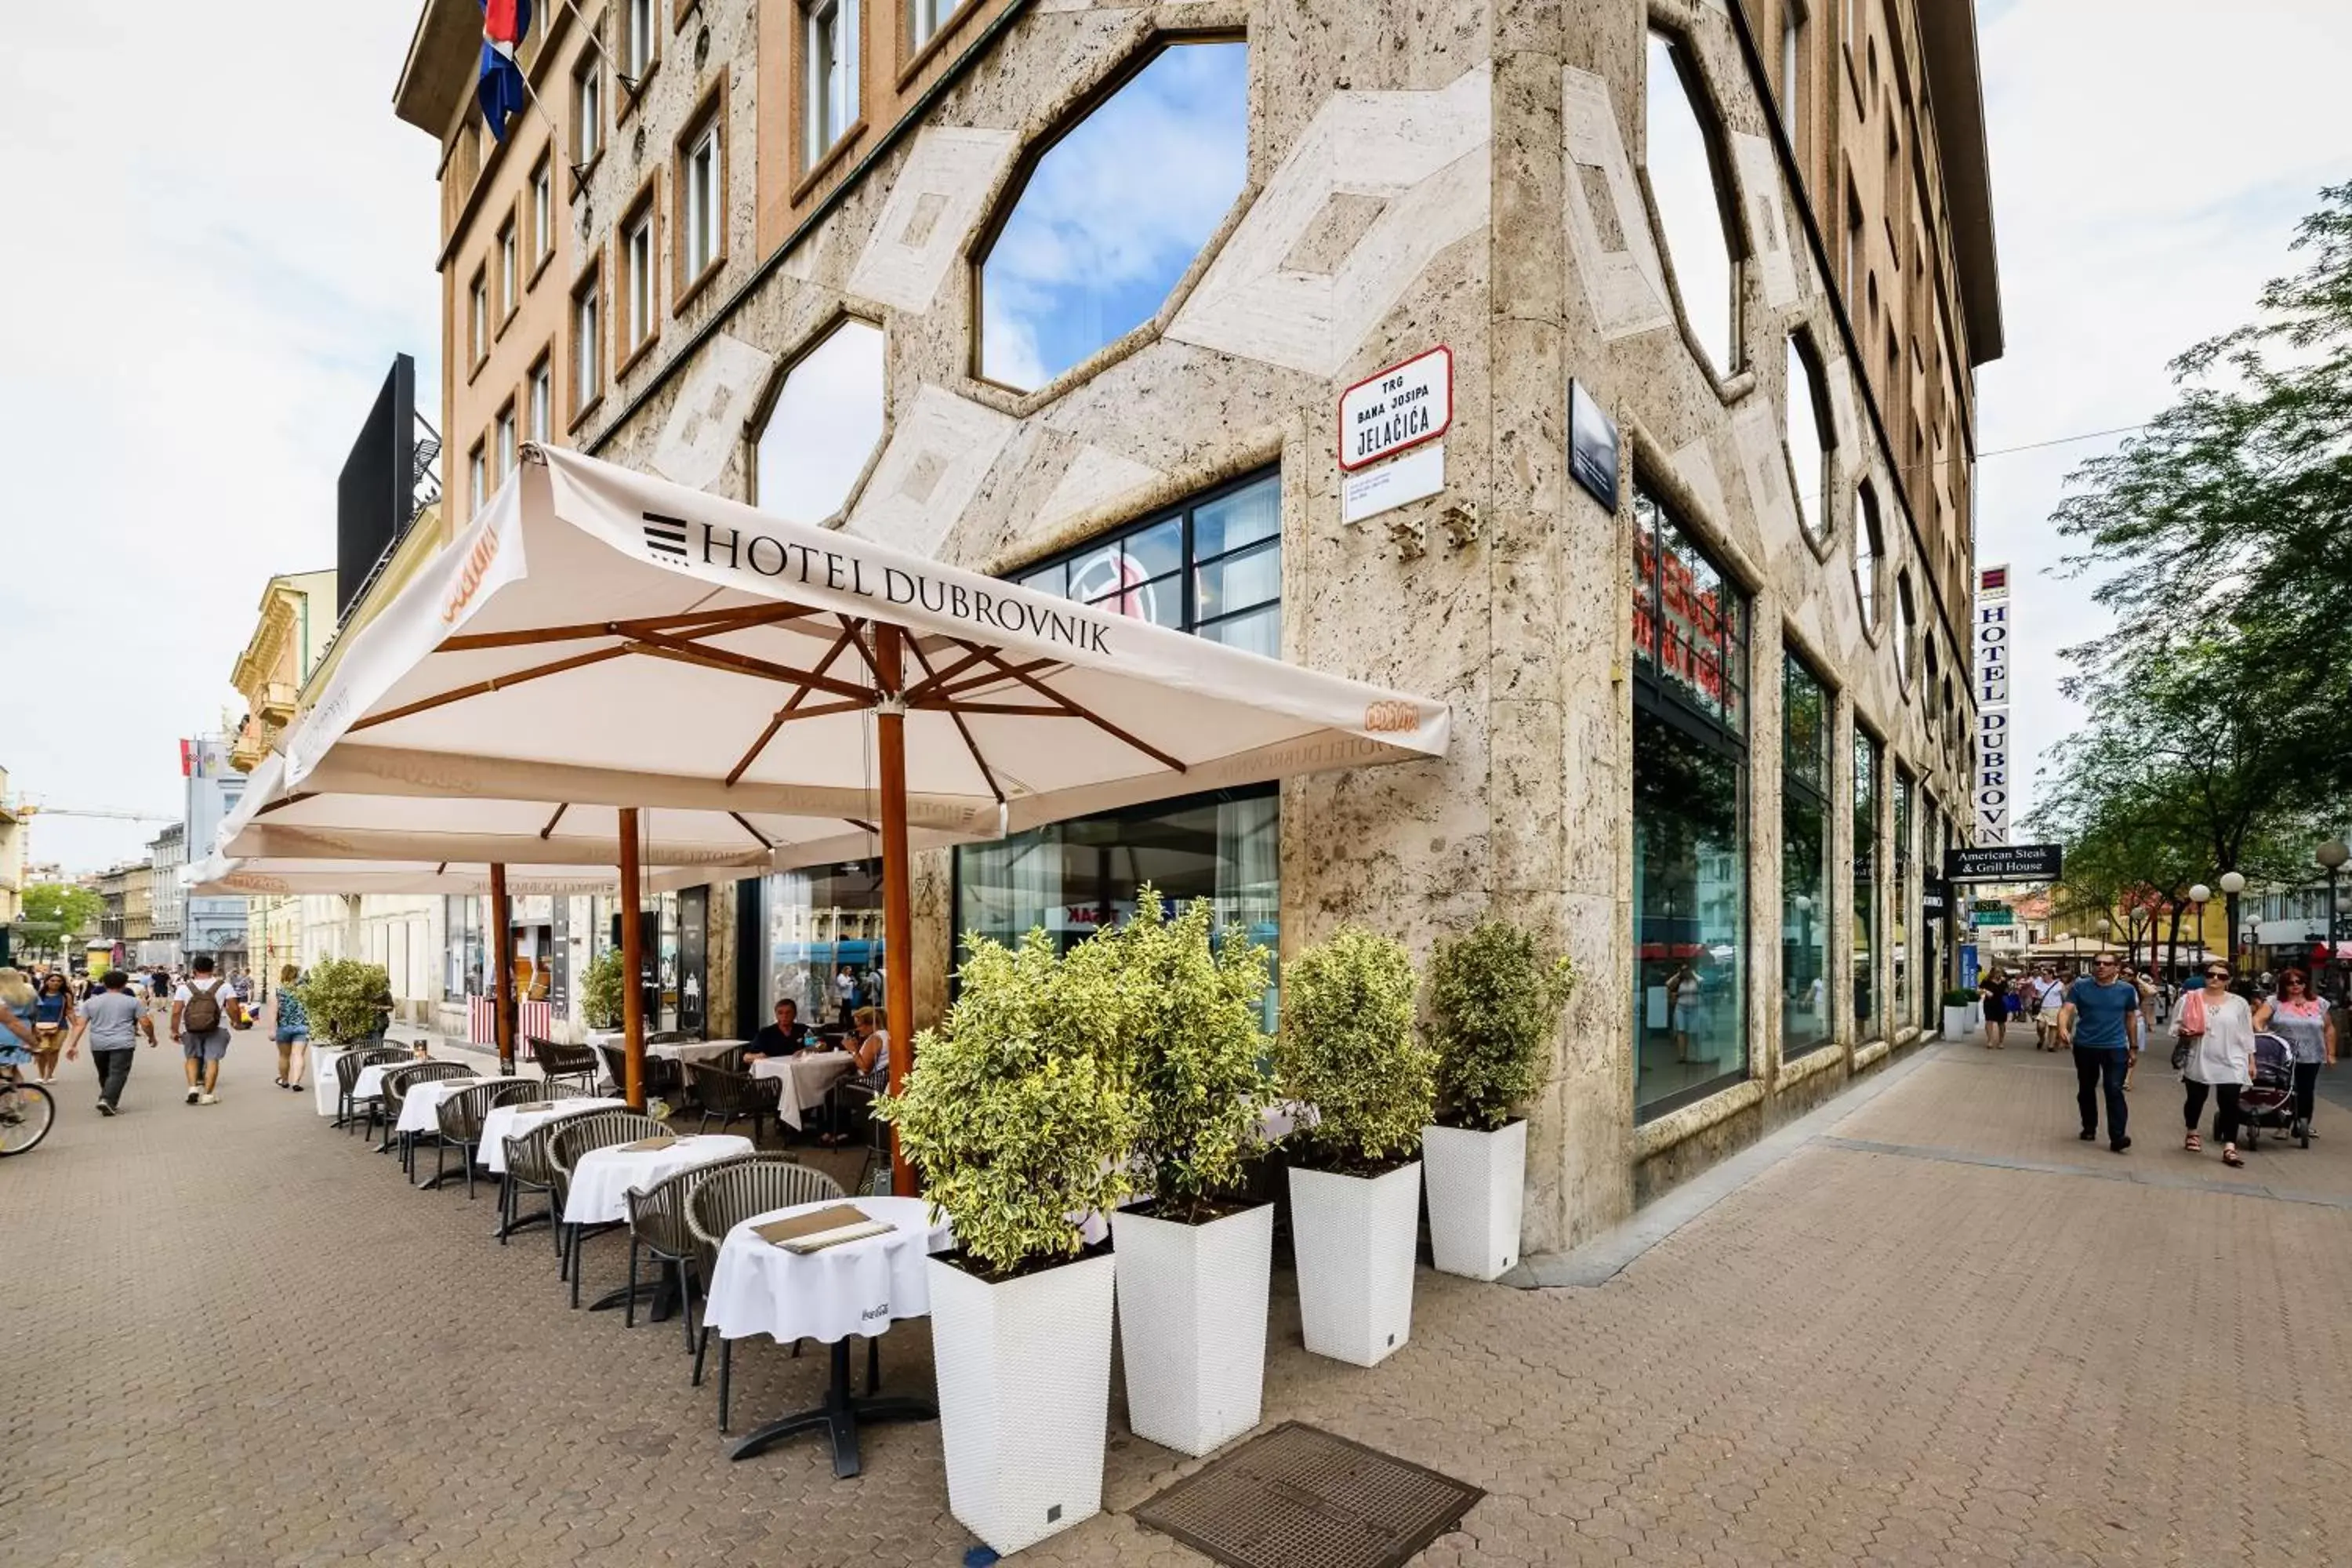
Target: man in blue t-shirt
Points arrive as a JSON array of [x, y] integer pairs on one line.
[[2101, 1022]]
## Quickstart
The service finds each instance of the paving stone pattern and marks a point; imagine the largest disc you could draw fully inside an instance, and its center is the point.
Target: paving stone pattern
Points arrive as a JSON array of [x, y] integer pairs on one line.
[[1941, 1333]]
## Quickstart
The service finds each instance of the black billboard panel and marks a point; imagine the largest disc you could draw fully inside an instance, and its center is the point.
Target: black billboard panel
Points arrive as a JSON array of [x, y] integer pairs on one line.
[[376, 493], [2003, 863]]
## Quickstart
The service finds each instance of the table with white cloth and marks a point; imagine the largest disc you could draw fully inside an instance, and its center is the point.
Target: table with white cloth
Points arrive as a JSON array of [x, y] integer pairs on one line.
[[369, 1085], [856, 1287], [602, 1180], [420, 1108], [806, 1077], [505, 1121], [694, 1050]]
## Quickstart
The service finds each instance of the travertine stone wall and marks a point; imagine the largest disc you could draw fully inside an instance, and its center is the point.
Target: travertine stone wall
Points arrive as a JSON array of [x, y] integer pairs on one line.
[[1468, 173]]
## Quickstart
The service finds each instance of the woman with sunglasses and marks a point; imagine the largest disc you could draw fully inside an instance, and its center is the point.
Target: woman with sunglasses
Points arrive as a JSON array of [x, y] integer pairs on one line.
[[2220, 1030], [2305, 1023]]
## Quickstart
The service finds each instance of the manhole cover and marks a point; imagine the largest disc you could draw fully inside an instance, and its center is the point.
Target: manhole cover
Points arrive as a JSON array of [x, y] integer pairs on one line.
[[1300, 1497]]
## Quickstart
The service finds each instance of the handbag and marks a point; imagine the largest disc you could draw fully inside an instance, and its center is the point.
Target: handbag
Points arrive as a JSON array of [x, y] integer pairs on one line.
[[2191, 1030]]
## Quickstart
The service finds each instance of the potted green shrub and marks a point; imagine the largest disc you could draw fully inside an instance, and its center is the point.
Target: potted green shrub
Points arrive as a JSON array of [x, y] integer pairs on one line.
[[1960, 1013], [1496, 999], [600, 994], [1192, 1266], [346, 1001], [1019, 1117], [1348, 1048]]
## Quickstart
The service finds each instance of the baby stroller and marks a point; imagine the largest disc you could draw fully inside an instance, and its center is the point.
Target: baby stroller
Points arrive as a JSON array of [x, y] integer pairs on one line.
[[2269, 1100]]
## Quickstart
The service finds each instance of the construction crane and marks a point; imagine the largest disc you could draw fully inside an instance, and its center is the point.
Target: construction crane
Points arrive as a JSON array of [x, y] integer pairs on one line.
[[35, 808]]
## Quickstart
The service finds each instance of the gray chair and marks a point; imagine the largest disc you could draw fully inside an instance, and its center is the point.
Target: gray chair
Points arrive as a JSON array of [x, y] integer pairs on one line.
[[348, 1068], [530, 1170], [728, 1196], [731, 1097], [597, 1130], [461, 1123], [564, 1064], [658, 1228], [395, 1095]]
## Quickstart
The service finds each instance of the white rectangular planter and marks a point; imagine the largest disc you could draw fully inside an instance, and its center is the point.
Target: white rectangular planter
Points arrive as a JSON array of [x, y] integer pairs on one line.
[[1191, 1310], [1354, 1236], [1476, 1190], [1023, 1373], [1956, 1023]]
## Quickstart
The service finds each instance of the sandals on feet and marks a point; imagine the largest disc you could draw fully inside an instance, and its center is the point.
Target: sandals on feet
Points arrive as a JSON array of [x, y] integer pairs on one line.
[[2230, 1156], [2195, 1145]]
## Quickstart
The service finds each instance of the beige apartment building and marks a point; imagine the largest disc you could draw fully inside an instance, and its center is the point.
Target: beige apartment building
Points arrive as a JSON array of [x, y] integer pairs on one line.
[[13, 824], [1605, 369]]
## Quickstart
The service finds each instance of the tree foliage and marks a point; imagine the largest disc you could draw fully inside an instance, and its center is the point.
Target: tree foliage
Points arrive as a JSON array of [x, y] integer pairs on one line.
[[51, 911], [600, 997], [1496, 999]]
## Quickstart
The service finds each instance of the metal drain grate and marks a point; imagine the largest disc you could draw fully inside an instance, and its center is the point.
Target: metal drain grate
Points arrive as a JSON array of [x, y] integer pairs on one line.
[[1301, 1497]]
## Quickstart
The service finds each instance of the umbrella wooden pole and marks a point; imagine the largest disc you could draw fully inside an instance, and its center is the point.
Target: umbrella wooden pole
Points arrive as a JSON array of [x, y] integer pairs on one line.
[[897, 902], [633, 956], [502, 967]]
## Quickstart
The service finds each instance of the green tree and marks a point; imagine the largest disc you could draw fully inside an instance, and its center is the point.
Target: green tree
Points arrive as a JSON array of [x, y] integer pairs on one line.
[[55, 912]]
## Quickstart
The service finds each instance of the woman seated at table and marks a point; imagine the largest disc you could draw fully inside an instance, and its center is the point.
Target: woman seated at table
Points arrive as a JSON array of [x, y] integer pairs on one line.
[[869, 1057], [784, 1037]]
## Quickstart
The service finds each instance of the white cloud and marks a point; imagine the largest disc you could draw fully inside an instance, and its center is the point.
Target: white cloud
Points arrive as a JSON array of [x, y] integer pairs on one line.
[[230, 237], [2150, 161]]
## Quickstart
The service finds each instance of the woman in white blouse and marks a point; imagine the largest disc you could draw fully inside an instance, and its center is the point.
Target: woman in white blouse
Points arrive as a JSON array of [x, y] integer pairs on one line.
[[2219, 1031]]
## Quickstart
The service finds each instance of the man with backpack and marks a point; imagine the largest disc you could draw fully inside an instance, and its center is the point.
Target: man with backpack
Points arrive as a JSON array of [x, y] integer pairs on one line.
[[200, 1020]]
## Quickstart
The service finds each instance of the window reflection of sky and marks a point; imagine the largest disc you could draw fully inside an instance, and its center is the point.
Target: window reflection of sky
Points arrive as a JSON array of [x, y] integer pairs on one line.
[[1113, 213]]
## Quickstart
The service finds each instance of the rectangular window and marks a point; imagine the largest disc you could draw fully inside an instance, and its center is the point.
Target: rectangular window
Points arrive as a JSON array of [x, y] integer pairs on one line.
[[542, 399], [1213, 566], [1903, 923], [1805, 1022], [478, 477], [509, 271], [587, 342], [587, 111], [637, 282], [704, 202], [1867, 753], [477, 320], [928, 16], [637, 40], [1793, 67], [506, 446], [829, 56], [543, 210], [1690, 812]]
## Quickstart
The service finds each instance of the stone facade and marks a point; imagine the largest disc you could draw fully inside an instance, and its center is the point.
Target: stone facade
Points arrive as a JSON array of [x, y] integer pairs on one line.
[[1463, 174]]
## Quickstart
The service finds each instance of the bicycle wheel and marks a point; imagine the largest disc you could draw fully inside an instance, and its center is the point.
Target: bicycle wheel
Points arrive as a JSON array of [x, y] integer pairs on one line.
[[26, 1112]]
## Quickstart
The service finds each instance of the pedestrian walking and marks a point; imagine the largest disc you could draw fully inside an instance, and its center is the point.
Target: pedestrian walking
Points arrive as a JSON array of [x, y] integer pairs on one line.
[[2304, 1021], [1994, 991], [200, 1028], [53, 1018], [2100, 1021], [2046, 997], [2216, 1029], [112, 1021], [16, 1035], [293, 1030]]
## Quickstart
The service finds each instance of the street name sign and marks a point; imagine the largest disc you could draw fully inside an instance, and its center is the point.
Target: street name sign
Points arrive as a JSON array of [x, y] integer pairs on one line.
[[1401, 406], [2003, 863]]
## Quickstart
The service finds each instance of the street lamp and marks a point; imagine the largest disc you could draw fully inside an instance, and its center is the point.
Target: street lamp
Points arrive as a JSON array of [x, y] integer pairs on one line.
[[2200, 895], [2232, 884], [2332, 854]]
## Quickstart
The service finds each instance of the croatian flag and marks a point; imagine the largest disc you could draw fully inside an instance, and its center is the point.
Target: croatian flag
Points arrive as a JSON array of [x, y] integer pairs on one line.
[[500, 89]]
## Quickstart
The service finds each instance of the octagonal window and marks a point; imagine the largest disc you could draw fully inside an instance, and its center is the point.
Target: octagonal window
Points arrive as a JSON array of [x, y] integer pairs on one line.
[[824, 424], [1112, 212], [1690, 183]]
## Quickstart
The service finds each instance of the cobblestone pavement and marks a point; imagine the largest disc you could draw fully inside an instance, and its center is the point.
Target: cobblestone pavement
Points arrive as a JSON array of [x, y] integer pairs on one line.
[[1941, 1332]]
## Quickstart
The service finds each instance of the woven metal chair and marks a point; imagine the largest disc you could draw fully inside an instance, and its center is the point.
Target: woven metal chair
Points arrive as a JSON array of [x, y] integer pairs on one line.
[[578, 1137], [732, 1096], [396, 1094], [561, 1064], [658, 1226], [348, 1068], [725, 1199], [661, 1075], [530, 1170], [461, 1123]]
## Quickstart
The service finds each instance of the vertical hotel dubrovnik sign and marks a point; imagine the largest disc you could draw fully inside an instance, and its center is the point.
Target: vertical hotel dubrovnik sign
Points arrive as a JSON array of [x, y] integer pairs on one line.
[[1993, 645], [1401, 406]]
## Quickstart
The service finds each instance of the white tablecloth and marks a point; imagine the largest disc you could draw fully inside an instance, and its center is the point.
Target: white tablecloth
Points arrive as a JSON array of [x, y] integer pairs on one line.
[[371, 1079], [604, 1175], [420, 1108], [857, 1288], [806, 1079], [507, 1121], [693, 1051]]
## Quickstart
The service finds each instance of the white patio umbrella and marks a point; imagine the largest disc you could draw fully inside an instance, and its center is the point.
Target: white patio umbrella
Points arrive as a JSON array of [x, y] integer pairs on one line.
[[598, 638]]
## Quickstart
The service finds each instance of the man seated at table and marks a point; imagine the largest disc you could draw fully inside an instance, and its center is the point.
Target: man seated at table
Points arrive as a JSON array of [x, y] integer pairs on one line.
[[784, 1037]]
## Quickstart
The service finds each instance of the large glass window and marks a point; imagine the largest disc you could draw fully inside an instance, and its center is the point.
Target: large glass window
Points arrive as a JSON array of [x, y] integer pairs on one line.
[[1690, 183], [1869, 549], [829, 56], [926, 17], [1076, 878], [1113, 213], [823, 426], [825, 941], [1213, 566], [1690, 808], [1867, 754], [1804, 859], [1899, 932]]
